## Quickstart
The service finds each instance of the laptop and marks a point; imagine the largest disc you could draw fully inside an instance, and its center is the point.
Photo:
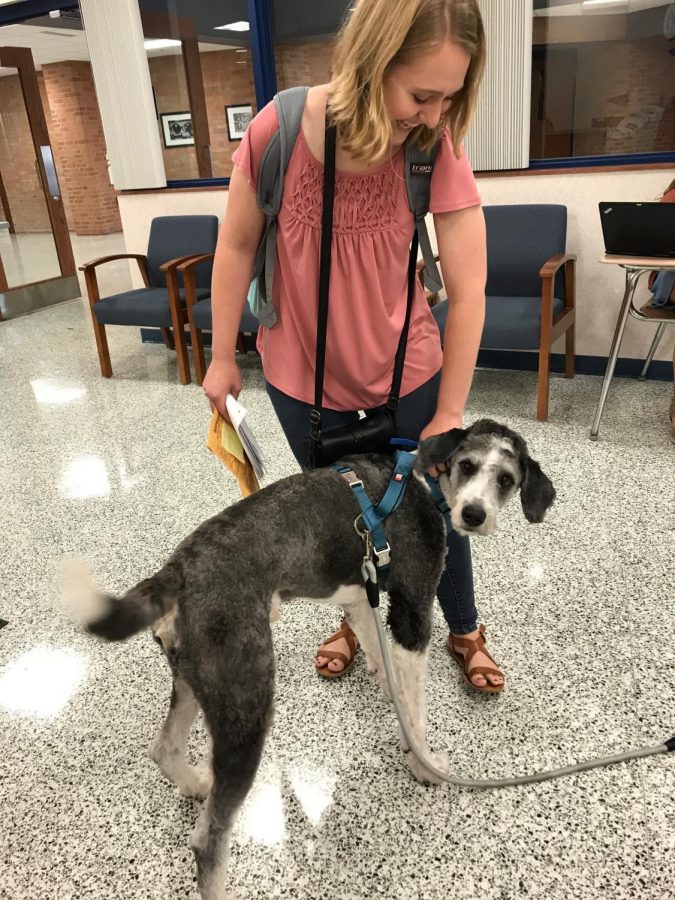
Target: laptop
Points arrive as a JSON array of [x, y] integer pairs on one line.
[[638, 229]]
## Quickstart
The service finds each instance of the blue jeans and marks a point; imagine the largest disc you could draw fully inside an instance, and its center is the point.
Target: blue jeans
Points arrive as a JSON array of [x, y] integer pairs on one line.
[[455, 589]]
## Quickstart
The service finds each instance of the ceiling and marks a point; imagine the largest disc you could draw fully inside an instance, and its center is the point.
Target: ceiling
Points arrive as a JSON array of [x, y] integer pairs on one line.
[[62, 38]]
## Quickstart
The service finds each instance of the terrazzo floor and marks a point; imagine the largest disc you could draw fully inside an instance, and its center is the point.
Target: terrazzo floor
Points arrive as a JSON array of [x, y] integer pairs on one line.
[[580, 610]]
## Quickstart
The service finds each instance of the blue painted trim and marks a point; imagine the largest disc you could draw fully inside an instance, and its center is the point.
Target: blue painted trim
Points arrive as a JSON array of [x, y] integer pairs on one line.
[[198, 182], [516, 360], [524, 361], [581, 162], [19, 12], [262, 50]]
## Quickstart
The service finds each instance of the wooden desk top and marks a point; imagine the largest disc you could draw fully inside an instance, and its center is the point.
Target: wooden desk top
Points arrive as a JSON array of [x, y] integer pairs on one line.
[[640, 262]]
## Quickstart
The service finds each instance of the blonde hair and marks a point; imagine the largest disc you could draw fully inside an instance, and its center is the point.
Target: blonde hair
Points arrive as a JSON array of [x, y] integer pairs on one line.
[[379, 34]]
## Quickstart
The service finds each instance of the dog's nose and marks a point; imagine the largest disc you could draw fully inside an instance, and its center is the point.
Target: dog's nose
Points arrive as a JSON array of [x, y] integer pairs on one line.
[[473, 515]]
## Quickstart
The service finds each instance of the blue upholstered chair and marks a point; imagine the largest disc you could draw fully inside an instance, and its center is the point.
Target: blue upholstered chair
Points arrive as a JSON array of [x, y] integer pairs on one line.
[[199, 316], [530, 287], [161, 303]]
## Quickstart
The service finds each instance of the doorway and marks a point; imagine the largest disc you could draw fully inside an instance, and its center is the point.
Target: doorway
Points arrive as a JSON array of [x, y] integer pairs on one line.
[[33, 224]]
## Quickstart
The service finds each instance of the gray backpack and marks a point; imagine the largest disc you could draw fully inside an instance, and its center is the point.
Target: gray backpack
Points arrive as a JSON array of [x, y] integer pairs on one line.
[[290, 105]]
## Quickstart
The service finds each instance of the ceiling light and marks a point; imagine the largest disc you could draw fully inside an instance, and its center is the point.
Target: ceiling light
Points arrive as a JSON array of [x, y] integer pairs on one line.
[[596, 5], [160, 43], [233, 26]]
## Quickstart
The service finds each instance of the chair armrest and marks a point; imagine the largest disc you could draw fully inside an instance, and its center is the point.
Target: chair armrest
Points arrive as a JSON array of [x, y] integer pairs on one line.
[[551, 266], [172, 264], [548, 272], [194, 261], [187, 270], [89, 270], [106, 259]]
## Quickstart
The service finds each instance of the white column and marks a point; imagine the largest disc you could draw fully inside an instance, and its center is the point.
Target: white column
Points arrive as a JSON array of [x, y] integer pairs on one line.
[[122, 78], [500, 135]]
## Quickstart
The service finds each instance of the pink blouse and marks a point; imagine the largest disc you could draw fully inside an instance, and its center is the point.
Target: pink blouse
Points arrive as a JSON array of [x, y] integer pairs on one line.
[[372, 230]]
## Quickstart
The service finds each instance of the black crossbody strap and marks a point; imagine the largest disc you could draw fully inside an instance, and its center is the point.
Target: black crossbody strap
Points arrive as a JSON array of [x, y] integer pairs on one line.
[[324, 271], [324, 284], [394, 395]]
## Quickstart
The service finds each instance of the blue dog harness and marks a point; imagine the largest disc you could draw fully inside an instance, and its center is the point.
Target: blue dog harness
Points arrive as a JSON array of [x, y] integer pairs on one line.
[[377, 552]]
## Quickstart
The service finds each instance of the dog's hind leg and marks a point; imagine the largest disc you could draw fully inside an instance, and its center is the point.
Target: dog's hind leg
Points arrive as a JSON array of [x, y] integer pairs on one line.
[[236, 693], [411, 630], [169, 749]]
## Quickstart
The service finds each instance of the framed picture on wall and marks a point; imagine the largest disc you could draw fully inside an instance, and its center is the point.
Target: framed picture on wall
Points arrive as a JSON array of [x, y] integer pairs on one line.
[[238, 118], [177, 129]]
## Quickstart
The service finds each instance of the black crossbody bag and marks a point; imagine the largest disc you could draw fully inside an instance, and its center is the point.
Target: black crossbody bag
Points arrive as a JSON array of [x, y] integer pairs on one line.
[[372, 433]]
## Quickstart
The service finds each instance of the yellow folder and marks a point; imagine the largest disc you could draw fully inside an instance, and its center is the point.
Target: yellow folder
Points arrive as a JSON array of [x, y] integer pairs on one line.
[[223, 441]]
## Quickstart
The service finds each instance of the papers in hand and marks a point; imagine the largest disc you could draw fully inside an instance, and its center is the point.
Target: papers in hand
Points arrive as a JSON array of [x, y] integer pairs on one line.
[[237, 415]]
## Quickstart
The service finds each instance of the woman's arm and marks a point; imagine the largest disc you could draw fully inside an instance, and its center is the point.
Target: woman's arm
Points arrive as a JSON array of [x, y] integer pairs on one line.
[[235, 253], [462, 250]]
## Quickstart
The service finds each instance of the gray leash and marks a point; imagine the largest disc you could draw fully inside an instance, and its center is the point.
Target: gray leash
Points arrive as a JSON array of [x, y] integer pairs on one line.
[[498, 782]]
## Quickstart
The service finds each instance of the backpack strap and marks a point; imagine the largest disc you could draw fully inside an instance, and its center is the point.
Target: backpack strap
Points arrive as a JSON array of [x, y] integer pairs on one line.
[[419, 167], [290, 105]]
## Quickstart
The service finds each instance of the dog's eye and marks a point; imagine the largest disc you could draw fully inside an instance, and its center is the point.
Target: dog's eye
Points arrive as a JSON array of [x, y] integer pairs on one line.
[[467, 467], [505, 481]]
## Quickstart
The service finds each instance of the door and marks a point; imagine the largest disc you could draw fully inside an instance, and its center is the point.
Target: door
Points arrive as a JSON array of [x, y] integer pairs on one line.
[[37, 267]]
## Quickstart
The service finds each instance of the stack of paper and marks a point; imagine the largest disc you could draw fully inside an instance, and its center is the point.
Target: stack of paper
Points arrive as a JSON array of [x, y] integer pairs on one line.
[[237, 415]]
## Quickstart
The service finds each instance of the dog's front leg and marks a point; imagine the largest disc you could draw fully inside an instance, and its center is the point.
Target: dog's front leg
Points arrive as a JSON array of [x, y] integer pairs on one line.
[[410, 667], [360, 618]]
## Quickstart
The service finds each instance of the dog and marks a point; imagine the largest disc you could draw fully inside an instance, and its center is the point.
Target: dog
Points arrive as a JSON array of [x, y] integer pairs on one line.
[[210, 604]]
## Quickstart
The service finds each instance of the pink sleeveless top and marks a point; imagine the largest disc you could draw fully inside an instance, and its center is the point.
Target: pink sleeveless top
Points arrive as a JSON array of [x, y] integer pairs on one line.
[[372, 230]]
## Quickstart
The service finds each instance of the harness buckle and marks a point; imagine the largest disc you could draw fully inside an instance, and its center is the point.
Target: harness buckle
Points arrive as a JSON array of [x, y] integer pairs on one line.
[[382, 557]]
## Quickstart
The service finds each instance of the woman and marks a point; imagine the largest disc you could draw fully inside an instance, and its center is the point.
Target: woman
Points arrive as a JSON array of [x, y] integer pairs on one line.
[[402, 70]]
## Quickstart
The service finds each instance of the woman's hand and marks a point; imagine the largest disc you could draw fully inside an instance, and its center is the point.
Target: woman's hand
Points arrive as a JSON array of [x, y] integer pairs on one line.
[[440, 423], [222, 378]]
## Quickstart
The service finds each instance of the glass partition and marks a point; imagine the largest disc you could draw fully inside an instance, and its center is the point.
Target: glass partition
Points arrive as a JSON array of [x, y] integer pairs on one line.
[[202, 78], [603, 82]]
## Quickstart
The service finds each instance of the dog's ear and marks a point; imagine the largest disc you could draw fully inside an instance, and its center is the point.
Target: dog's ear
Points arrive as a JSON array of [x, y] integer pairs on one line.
[[439, 448], [536, 492]]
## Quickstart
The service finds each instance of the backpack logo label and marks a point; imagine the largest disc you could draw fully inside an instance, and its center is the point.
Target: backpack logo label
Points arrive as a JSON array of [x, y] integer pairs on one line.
[[421, 169]]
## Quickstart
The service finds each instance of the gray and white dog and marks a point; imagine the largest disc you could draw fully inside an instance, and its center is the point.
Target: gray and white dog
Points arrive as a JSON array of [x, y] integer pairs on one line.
[[210, 605]]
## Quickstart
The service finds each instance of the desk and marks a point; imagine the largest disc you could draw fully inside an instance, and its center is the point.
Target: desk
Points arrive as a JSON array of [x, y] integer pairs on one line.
[[635, 268]]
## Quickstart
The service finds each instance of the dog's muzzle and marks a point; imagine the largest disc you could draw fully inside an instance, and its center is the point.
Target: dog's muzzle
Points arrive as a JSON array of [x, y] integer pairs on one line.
[[472, 518]]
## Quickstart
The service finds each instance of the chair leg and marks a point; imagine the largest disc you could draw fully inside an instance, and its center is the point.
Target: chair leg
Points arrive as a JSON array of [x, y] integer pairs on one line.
[[241, 342], [198, 352], [102, 347], [181, 354], [177, 322], [99, 330], [570, 341], [543, 383], [652, 350], [167, 337]]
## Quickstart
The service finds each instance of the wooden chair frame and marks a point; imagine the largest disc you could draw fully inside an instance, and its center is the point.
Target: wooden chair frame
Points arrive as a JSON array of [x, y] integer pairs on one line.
[[187, 270], [174, 338], [551, 329]]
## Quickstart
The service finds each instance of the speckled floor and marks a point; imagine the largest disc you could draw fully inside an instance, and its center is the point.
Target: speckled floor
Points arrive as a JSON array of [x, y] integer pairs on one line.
[[581, 613]]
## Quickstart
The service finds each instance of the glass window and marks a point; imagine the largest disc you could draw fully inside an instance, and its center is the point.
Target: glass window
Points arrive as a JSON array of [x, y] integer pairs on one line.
[[303, 40], [202, 80], [603, 78]]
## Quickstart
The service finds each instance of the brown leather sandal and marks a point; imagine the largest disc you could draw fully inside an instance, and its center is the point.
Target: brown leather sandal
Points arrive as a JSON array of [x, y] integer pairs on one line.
[[474, 645], [344, 631]]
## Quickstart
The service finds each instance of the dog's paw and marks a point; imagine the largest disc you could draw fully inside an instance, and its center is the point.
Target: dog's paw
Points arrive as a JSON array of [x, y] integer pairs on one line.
[[440, 761]]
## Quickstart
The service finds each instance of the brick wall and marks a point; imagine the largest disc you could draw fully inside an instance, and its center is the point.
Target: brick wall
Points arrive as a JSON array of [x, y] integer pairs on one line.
[[76, 134], [17, 161], [631, 84], [79, 148], [303, 63]]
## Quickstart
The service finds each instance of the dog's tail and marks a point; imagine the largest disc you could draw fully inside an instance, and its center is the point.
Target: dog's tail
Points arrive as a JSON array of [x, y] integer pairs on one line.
[[116, 618]]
